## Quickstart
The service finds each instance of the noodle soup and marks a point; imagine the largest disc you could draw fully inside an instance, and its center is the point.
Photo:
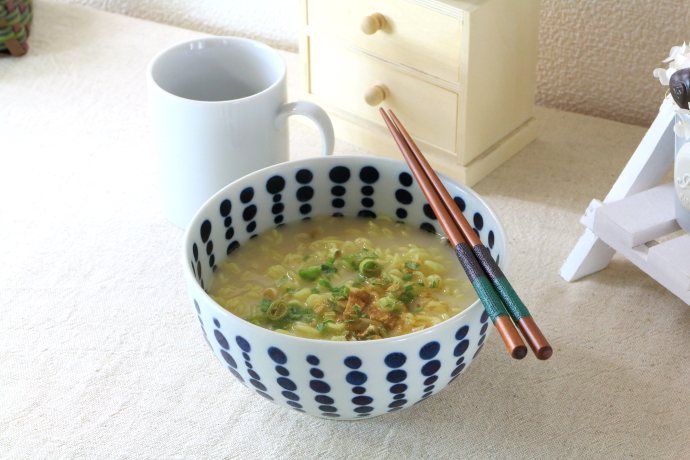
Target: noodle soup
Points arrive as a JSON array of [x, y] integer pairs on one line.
[[343, 279]]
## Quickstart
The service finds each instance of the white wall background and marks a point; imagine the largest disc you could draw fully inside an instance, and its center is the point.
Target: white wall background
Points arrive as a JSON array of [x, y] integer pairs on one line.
[[596, 56]]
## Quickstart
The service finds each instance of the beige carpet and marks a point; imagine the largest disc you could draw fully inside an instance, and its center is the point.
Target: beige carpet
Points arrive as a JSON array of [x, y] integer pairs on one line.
[[101, 356]]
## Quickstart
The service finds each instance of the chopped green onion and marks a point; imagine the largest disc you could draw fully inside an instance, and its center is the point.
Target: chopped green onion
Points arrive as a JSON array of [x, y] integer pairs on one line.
[[369, 268], [408, 294], [265, 303], [310, 273], [411, 265], [277, 310], [321, 327], [340, 293], [326, 284], [389, 304], [328, 268], [433, 281]]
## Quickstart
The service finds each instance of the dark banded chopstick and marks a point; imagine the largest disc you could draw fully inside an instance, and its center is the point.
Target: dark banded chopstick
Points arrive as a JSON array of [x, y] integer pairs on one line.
[[516, 308], [492, 303]]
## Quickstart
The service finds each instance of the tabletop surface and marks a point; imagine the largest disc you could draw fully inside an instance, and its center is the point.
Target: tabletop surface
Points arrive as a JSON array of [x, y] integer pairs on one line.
[[101, 354]]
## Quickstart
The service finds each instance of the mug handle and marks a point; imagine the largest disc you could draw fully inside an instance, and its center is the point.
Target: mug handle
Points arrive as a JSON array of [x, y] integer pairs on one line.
[[315, 114]]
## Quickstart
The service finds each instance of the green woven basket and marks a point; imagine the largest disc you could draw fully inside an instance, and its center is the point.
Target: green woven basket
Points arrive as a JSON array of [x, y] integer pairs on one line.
[[15, 23]]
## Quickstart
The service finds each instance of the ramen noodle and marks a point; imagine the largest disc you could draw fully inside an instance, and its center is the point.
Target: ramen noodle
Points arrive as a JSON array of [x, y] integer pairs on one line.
[[343, 279]]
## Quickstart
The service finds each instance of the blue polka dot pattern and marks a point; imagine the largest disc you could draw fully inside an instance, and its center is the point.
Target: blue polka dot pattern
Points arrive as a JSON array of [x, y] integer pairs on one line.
[[338, 175], [323, 399], [482, 333], [353, 362], [368, 175], [478, 221], [225, 351], [225, 209], [402, 196], [460, 202], [316, 372], [357, 379], [461, 347], [362, 400], [485, 317], [220, 338], [462, 332], [398, 388], [304, 176], [277, 355], [396, 360], [428, 211], [429, 369], [305, 192], [427, 227], [255, 378], [196, 267], [249, 212], [228, 359], [282, 371], [243, 344], [429, 350], [321, 387], [286, 383], [246, 195], [275, 185], [430, 380]]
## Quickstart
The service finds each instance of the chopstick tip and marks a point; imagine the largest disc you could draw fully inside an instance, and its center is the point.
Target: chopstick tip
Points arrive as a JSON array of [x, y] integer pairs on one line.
[[519, 352], [544, 353]]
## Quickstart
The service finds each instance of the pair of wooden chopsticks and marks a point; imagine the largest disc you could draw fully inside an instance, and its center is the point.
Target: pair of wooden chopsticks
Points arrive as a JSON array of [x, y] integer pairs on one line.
[[500, 300]]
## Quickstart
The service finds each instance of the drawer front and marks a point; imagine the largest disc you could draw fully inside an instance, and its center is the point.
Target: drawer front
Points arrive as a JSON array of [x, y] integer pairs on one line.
[[412, 35], [346, 79]]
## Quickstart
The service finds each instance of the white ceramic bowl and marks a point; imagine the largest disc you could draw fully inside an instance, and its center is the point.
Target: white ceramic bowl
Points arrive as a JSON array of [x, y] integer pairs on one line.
[[340, 380]]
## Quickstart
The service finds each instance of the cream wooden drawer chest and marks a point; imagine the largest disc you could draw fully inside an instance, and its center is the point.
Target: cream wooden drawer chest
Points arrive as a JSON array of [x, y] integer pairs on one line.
[[459, 74]]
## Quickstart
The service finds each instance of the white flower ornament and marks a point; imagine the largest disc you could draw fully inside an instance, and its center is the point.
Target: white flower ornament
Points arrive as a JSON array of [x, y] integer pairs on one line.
[[678, 59]]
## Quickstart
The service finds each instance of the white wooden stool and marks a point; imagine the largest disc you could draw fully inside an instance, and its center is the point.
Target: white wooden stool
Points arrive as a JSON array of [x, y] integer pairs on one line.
[[637, 217]]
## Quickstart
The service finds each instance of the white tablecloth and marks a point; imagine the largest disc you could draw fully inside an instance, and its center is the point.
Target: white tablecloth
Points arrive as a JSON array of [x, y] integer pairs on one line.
[[101, 355]]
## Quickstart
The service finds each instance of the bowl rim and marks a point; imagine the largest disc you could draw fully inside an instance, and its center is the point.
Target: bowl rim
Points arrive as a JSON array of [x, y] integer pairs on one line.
[[222, 312]]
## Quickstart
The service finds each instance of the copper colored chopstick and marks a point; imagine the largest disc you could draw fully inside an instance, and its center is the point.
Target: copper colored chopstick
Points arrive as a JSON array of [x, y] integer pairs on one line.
[[516, 308], [492, 303]]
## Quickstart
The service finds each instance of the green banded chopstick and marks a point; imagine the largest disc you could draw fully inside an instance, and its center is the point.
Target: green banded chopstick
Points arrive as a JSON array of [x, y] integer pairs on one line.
[[482, 285], [516, 308]]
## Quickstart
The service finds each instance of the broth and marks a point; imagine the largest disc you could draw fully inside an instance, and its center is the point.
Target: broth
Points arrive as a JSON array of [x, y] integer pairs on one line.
[[343, 279]]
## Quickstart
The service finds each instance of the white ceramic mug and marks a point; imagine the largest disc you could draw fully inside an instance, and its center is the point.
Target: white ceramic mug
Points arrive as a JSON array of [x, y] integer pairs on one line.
[[219, 112]]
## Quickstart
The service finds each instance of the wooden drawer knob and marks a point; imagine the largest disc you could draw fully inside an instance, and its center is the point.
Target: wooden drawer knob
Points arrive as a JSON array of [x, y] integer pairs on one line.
[[375, 95], [373, 23]]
